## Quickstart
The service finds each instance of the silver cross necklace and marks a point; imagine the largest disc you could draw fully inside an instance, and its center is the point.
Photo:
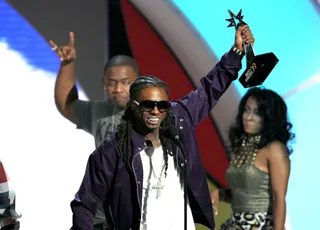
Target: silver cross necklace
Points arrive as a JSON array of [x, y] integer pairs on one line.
[[158, 186]]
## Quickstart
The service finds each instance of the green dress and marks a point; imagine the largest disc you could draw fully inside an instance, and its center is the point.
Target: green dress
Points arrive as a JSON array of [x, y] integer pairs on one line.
[[251, 199]]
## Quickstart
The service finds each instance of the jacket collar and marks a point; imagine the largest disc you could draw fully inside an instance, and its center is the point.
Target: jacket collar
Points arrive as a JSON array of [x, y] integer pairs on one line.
[[138, 142]]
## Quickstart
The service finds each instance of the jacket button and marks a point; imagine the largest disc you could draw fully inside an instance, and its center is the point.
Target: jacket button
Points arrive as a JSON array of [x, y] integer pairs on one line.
[[181, 127], [181, 119], [139, 182], [182, 164]]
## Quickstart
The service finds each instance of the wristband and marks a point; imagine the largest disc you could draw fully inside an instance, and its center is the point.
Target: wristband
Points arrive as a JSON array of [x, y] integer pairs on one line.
[[235, 49]]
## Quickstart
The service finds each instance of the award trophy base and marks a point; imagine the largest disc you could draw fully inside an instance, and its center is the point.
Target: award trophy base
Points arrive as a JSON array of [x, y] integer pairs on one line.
[[258, 70]]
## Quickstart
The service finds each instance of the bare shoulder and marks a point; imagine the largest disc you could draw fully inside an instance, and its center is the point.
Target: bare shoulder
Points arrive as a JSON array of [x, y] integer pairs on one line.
[[277, 150]]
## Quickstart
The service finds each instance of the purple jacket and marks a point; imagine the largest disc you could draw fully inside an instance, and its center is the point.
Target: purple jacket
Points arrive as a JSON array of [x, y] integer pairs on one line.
[[107, 178]]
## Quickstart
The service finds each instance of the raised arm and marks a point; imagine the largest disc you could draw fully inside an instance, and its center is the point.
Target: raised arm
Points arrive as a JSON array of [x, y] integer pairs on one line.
[[94, 187], [65, 92], [279, 169], [201, 101]]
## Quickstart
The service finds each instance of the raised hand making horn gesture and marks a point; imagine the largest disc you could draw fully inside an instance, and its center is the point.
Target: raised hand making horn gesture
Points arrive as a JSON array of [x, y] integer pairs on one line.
[[66, 53]]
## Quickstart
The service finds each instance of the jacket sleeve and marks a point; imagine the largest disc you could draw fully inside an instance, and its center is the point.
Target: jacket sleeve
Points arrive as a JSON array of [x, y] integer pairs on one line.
[[94, 187], [200, 102]]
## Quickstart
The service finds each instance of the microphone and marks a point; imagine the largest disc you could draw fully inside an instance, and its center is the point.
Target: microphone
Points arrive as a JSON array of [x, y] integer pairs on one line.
[[172, 133]]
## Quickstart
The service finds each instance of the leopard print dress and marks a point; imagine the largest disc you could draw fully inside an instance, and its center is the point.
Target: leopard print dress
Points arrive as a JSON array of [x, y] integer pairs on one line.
[[249, 221]]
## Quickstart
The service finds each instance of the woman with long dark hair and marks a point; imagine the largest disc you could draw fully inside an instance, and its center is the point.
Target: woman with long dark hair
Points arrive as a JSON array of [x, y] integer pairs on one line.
[[259, 169]]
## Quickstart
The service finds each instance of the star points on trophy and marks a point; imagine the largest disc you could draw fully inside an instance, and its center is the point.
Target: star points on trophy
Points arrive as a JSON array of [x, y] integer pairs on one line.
[[233, 19]]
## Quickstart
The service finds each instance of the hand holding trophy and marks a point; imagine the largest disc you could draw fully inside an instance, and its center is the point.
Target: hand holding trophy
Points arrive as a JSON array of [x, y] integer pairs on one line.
[[258, 67]]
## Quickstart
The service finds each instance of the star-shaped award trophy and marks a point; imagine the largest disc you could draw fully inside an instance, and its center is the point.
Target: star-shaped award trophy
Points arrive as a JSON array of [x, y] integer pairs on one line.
[[258, 67]]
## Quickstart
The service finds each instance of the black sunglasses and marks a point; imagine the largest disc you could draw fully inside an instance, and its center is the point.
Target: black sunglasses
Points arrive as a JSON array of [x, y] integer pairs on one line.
[[148, 106]]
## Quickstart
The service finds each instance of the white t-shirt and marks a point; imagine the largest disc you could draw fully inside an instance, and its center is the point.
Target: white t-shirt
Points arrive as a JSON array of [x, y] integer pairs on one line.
[[162, 208]]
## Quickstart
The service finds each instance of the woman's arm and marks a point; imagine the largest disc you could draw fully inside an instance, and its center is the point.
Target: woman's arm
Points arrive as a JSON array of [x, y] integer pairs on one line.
[[279, 169]]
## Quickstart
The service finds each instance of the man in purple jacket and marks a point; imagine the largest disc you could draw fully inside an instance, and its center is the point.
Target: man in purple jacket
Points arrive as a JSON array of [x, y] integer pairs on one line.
[[137, 171]]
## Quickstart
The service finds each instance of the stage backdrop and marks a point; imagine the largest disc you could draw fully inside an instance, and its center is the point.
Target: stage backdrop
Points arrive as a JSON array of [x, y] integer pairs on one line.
[[290, 29], [45, 156], [43, 153]]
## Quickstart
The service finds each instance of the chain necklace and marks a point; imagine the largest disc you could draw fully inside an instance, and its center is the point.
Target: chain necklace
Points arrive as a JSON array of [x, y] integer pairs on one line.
[[158, 186], [154, 140]]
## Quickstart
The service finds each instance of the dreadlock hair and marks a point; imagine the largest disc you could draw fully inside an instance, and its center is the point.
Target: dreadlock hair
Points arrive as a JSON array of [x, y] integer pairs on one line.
[[125, 127]]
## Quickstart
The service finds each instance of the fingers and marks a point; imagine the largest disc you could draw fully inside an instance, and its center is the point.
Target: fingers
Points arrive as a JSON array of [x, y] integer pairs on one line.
[[215, 209], [56, 49], [71, 38], [65, 53], [214, 205], [212, 196], [60, 53], [246, 34], [240, 29], [69, 53], [53, 45]]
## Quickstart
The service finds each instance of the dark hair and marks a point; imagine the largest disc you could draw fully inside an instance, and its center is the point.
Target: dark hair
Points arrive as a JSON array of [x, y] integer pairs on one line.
[[126, 124], [121, 60], [273, 111]]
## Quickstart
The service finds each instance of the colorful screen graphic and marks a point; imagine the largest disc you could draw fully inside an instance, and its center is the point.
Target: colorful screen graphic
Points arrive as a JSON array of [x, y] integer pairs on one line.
[[43, 153], [290, 29]]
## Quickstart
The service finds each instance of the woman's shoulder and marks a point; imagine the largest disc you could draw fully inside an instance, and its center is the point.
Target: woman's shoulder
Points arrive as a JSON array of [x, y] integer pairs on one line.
[[276, 150]]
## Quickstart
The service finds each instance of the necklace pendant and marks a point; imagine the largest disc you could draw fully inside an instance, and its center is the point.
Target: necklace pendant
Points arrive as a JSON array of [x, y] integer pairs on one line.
[[158, 187]]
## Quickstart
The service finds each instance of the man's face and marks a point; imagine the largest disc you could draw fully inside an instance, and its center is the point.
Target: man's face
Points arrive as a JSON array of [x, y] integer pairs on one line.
[[151, 107], [252, 121], [117, 81]]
